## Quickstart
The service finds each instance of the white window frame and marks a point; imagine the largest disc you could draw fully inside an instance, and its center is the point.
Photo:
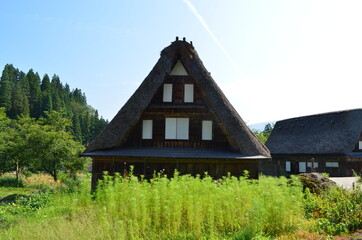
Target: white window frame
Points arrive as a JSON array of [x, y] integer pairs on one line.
[[189, 93], [288, 166], [147, 129], [206, 130], [167, 92], [332, 164], [177, 128]]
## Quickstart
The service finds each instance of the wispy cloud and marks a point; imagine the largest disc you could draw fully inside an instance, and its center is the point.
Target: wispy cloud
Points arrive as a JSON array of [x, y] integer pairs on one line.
[[207, 28]]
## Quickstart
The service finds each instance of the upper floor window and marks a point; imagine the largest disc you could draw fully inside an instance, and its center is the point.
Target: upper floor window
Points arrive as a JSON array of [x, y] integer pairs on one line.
[[147, 129], [206, 130], [177, 128], [189, 93], [167, 92]]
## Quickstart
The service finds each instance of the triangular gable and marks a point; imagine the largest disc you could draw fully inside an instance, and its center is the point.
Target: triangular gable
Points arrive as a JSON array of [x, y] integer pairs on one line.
[[178, 70], [239, 135]]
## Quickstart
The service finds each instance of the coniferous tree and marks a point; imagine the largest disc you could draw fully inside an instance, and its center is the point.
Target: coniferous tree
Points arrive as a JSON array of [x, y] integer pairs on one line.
[[24, 94], [19, 103], [77, 132], [35, 93], [7, 82]]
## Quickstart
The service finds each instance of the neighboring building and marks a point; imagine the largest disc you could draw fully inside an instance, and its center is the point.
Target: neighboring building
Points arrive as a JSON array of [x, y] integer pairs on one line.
[[331, 142], [178, 118]]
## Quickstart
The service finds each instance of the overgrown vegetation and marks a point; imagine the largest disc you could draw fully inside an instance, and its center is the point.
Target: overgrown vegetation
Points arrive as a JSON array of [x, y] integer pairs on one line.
[[182, 207]]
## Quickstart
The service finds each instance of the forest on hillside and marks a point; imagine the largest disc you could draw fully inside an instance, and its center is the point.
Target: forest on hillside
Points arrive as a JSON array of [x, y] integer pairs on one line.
[[28, 95]]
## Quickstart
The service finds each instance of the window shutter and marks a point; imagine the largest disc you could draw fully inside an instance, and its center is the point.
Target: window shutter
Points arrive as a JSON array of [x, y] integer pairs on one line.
[[147, 129], [167, 92], [189, 93], [206, 130], [182, 128], [170, 128]]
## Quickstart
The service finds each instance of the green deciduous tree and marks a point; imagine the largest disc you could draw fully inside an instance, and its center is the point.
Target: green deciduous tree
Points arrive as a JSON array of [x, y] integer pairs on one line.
[[54, 148]]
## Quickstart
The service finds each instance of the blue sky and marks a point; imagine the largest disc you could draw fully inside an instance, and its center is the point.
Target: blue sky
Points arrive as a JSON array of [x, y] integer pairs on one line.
[[273, 59]]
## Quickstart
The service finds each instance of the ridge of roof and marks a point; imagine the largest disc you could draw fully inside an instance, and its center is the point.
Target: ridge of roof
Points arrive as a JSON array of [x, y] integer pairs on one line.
[[321, 114], [239, 135]]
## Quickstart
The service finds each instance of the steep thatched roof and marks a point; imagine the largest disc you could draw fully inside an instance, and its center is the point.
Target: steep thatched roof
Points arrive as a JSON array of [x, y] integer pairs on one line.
[[327, 133], [237, 132]]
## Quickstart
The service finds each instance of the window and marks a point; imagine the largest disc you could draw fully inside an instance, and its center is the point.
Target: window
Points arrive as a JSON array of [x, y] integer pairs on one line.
[[206, 130], [332, 164], [287, 166], [147, 129], [167, 92], [189, 93], [177, 128], [302, 167], [178, 70], [309, 164], [360, 145]]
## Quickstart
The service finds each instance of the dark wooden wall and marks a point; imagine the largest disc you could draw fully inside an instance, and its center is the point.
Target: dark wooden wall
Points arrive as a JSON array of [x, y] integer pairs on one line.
[[147, 167], [276, 167], [197, 111]]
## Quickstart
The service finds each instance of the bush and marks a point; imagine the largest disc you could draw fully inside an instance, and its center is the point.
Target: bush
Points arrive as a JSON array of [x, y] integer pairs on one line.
[[335, 210], [10, 181]]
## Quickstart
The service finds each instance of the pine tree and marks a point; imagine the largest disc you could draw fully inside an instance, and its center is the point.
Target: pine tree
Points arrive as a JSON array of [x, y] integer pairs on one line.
[[19, 103], [45, 84], [77, 133], [7, 82], [46, 103], [35, 93]]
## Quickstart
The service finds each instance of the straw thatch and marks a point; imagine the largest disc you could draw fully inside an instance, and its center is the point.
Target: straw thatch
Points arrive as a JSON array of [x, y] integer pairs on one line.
[[327, 133], [239, 135]]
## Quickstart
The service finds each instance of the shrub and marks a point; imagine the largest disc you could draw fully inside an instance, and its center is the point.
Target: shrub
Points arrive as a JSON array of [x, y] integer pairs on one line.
[[335, 210], [11, 181]]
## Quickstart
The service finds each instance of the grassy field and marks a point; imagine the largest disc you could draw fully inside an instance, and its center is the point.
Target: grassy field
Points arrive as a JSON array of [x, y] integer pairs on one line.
[[182, 207]]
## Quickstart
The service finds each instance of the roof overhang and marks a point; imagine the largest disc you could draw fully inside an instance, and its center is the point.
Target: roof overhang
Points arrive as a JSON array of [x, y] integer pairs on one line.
[[180, 153]]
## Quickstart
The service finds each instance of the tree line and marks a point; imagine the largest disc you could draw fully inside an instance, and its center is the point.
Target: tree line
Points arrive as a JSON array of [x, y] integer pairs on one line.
[[28, 95]]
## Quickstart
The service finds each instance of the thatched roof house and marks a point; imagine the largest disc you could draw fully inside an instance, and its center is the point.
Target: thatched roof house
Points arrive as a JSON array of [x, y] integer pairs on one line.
[[332, 139], [180, 95]]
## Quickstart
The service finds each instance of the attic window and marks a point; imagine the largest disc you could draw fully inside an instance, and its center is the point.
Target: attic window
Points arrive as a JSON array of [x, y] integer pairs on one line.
[[177, 128], [167, 92], [147, 129], [206, 130], [178, 70], [189, 93]]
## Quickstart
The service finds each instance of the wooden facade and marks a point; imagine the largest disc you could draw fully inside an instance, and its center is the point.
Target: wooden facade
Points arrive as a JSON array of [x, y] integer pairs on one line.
[[332, 141], [147, 167], [178, 119], [196, 112]]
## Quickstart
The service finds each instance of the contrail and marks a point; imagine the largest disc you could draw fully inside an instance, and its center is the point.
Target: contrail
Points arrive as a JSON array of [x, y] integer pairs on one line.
[[207, 28]]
